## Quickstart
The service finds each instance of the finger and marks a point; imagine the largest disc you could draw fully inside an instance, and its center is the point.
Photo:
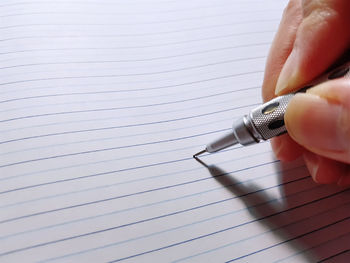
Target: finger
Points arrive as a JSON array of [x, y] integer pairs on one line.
[[345, 178], [285, 148], [281, 47], [324, 170], [320, 119], [322, 36]]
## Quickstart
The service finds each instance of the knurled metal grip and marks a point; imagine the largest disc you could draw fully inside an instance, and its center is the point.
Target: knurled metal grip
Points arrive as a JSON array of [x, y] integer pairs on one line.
[[267, 120]]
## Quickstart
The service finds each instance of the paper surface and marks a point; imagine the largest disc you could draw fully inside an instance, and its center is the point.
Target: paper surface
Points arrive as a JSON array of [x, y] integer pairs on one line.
[[103, 104]]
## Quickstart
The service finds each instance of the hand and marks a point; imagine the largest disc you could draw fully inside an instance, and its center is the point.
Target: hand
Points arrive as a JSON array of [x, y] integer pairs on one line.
[[311, 36]]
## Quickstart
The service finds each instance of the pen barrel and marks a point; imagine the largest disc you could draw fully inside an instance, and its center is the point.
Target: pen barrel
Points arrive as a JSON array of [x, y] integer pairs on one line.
[[268, 119]]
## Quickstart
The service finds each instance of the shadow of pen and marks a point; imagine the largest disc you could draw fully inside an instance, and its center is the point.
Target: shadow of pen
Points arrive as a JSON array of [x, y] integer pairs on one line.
[[264, 208]]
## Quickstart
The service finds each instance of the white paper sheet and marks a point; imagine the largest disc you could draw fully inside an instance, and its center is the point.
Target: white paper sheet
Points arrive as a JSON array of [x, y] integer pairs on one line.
[[103, 104]]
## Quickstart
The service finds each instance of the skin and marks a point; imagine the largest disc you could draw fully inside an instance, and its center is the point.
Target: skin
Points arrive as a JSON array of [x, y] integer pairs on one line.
[[312, 35]]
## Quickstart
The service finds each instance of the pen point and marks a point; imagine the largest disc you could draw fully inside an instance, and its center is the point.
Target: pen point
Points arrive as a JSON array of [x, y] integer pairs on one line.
[[199, 153]]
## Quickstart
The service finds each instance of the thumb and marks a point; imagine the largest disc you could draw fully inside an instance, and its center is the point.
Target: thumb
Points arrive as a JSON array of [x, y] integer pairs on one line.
[[319, 120], [322, 36]]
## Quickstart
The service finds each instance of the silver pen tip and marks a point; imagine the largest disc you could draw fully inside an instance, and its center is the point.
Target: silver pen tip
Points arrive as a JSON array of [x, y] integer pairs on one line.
[[199, 153]]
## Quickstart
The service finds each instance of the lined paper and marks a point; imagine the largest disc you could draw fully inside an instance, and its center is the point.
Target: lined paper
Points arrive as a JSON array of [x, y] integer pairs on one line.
[[103, 104]]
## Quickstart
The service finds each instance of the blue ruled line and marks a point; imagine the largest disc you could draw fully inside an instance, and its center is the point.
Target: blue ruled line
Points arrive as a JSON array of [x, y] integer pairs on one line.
[[307, 178], [243, 209], [192, 239]]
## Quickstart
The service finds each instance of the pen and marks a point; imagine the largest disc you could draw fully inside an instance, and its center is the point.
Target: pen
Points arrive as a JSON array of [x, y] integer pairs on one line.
[[267, 120]]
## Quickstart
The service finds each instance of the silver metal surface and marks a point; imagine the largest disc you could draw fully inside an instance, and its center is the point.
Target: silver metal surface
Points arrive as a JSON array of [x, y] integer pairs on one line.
[[223, 142], [266, 124], [267, 120], [243, 131]]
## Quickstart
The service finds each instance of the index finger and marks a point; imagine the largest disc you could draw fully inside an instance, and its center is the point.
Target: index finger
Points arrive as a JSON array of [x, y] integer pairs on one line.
[[284, 146], [281, 47]]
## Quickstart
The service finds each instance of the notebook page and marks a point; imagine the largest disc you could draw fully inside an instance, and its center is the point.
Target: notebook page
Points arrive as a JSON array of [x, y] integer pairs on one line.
[[103, 104]]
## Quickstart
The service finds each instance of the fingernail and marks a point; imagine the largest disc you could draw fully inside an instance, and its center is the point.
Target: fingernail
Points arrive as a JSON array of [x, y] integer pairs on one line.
[[289, 75], [316, 123], [312, 163]]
